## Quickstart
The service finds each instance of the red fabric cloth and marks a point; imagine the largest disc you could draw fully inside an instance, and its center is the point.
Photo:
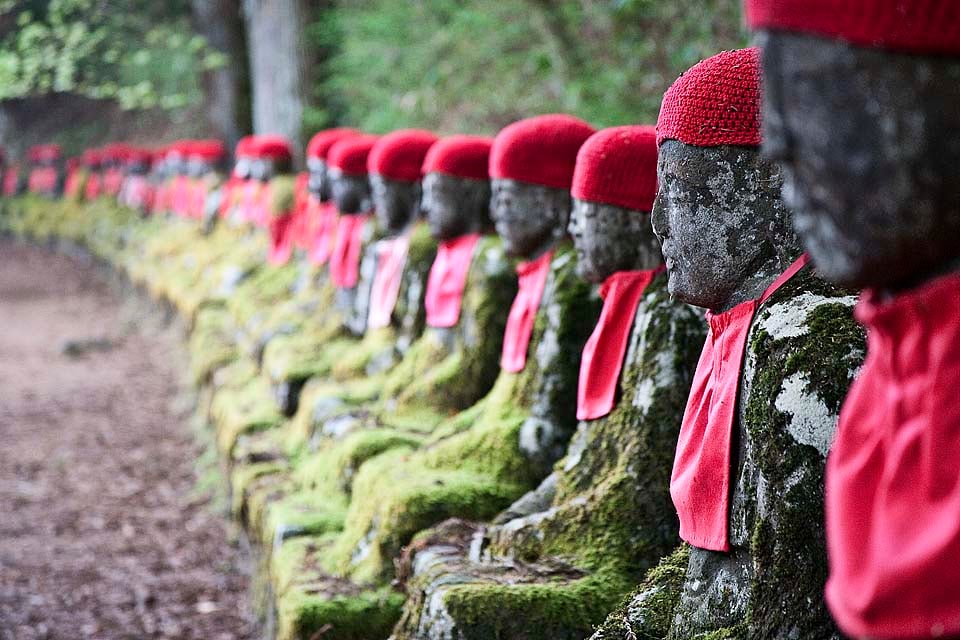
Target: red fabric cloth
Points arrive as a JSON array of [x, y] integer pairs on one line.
[[72, 184], [198, 199], [10, 177], [447, 280], [227, 194], [42, 180], [541, 150], [532, 278], [320, 143], [700, 483], [350, 154], [399, 155], [460, 156], [92, 190], [716, 102], [345, 258], [112, 181], [892, 487], [281, 240], [249, 199], [917, 26], [618, 166], [180, 196], [322, 230], [391, 258], [301, 195], [603, 353]]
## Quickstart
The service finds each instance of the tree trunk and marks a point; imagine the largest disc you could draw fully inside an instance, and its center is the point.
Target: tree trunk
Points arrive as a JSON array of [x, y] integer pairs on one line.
[[277, 65], [227, 88]]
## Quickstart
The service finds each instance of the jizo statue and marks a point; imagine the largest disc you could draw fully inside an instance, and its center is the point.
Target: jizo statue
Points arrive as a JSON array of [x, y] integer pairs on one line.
[[781, 350], [613, 483], [861, 111]]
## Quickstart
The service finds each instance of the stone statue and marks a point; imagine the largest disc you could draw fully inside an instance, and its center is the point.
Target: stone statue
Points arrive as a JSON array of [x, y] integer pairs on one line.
[[781, 352], [861, 113], [587, 534]]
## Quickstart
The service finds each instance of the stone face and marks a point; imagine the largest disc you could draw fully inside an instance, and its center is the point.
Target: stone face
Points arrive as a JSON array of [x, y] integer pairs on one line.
[[560, 557], [870, 171], [803, 342]]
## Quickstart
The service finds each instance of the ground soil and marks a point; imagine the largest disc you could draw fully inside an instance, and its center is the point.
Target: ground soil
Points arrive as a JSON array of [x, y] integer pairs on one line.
[[105, 531]]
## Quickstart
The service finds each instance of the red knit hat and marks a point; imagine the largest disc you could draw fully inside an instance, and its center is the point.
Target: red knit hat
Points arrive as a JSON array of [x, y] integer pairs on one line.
[[540, 150], [271, 147], [618, 166], [208, 150], [399, 155], [350, 154], [42, 152], [460, 157], [716, 102], [911, 26], [321, 142], [91, 157], [138, 154], [245, 146]]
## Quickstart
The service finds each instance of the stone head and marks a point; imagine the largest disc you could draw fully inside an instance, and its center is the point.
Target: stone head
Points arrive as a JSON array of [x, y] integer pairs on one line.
[[317, 151], [531, 168], [272, 156], [614, 185], [395, 165], [456, 186], [867, 131], [347, 171], [318, 182], [724, 231]]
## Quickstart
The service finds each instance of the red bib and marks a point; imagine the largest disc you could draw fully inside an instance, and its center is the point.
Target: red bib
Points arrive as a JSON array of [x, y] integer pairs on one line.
[[42, 180], [700, 483], [72, 185], [10, 177], [322, 230], [892, 487], [281, 240], [112, 181], [447, 280], [227, 195], [248, 201], [603, 353], [301, 195], [198, 199], [180, 196], [92, 190], [391, 257], [532, 278], [345, 259]]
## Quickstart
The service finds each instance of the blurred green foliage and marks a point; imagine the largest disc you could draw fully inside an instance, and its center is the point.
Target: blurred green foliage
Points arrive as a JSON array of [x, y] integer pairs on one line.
[[141, 53], [475, 65]]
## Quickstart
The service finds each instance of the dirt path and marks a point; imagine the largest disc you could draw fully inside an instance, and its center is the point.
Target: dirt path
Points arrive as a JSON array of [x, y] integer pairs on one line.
[[102, 531]]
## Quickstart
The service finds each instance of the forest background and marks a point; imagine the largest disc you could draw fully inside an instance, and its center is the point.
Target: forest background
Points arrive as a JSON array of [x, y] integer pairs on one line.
[[86, 72]]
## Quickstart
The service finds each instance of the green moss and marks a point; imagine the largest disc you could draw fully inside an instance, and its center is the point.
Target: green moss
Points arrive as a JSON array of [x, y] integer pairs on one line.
[[211, 344], [480, 469], [282, 195], [658, 595], [242, 403]]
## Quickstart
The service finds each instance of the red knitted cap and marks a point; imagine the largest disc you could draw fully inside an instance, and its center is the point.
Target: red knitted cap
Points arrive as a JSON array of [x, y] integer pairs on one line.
[[41, 152], [618, 166], [911, 26], [540, 150], [91, 157], [716, 102], [399, 154], [350, 154], [320, 143], [460, 157], [208, 150], [271, 147], [245, 146], [137, 154]]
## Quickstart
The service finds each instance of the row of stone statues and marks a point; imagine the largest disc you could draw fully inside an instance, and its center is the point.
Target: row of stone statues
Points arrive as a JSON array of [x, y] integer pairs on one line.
[[436, 431]]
